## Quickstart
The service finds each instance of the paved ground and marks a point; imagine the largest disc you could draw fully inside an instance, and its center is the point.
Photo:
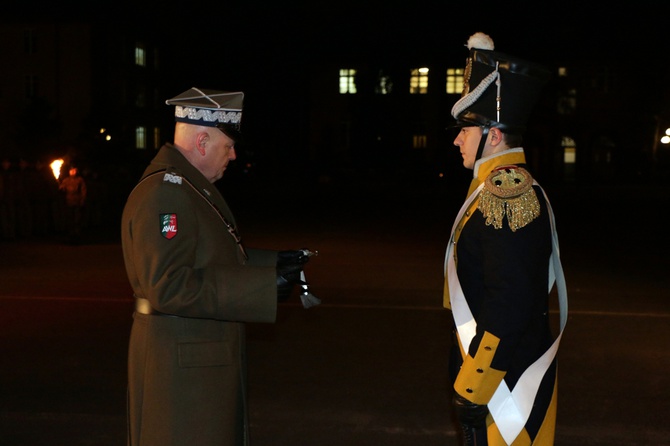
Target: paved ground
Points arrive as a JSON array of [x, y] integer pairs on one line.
[[368, 367]]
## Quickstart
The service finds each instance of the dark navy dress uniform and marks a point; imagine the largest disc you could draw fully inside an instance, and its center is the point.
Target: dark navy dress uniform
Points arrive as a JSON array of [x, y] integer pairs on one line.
[[502, 263], [504, 276]]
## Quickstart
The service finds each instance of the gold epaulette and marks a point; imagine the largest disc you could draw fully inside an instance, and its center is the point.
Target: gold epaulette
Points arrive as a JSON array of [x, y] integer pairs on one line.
[[508, 192]]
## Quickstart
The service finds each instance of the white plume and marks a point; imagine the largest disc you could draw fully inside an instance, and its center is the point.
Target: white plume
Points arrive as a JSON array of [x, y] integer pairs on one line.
[[480, 41]]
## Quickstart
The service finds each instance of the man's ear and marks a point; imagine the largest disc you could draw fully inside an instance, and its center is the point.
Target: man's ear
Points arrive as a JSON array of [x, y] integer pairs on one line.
[[496, 136], [201, 140]]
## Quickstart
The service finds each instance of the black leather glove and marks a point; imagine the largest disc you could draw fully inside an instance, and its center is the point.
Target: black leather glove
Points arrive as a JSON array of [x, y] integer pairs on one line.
[[472, 418], [289, 267], [296, 257]]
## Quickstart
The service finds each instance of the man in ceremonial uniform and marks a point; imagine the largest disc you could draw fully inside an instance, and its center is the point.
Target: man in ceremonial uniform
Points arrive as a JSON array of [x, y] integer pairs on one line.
[[195, 285], [502, 262]]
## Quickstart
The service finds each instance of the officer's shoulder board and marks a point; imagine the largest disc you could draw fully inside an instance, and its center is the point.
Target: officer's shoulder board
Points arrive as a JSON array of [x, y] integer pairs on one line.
[[173, 176], [508, 192]]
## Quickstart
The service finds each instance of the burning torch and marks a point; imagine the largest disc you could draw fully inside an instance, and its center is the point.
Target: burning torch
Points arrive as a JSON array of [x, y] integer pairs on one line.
[[55, 168]]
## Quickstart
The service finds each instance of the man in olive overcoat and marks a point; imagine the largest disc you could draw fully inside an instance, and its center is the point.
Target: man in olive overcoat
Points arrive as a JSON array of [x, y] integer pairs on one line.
[[195, 285]]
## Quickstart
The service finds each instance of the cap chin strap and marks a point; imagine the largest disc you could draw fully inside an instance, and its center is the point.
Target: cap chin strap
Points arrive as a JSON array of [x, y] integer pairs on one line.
[[482, 142]]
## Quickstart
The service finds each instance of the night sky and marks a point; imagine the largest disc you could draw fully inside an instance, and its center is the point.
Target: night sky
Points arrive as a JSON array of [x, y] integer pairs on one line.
[[542, 32], [256, 46], [248, 31]]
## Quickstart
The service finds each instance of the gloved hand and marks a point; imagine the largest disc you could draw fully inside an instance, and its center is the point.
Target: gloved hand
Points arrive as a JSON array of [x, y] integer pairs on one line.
[[471, 417], [289, 267], [468, 412], [296, 257]]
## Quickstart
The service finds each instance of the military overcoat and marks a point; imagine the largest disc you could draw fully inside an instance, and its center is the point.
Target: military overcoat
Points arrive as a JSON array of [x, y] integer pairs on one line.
[[186, 366]]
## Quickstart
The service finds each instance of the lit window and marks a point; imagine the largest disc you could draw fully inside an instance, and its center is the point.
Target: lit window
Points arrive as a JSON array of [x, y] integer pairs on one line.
[[140, 55], [418, 82], [140, 138], [384, 84], [569, 150], [419, 141], [455, 80], [347, 81], [562, 71]]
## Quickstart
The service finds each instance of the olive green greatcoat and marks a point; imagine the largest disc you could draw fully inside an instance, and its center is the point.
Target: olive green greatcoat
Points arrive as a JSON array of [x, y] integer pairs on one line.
[[187, 368]]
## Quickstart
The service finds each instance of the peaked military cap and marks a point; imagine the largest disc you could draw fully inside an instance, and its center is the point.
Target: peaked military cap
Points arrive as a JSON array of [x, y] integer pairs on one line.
[[211, 108]]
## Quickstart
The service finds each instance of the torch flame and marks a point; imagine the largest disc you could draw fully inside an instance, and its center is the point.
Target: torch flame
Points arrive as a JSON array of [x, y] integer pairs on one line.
[[55, 167]]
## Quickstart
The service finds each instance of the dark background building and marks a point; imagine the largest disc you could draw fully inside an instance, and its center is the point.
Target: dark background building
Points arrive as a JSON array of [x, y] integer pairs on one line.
[[90, 86]]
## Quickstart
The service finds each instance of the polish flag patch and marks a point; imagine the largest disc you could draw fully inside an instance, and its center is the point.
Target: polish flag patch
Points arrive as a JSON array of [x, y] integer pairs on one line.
[[168, 225]]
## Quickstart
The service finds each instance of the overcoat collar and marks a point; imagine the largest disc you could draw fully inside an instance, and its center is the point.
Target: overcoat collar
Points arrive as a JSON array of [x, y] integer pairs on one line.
[[170, 157]]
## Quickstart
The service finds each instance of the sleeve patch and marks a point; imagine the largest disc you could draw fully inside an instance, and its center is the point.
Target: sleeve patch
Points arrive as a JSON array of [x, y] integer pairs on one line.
[[168, 224]]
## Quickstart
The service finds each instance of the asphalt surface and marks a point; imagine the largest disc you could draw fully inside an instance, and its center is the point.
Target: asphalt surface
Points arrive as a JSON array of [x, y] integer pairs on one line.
[[369, 365]]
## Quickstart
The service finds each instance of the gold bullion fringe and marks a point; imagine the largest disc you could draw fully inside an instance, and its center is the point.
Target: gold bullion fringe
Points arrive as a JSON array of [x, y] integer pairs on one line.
[[519, 210]]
